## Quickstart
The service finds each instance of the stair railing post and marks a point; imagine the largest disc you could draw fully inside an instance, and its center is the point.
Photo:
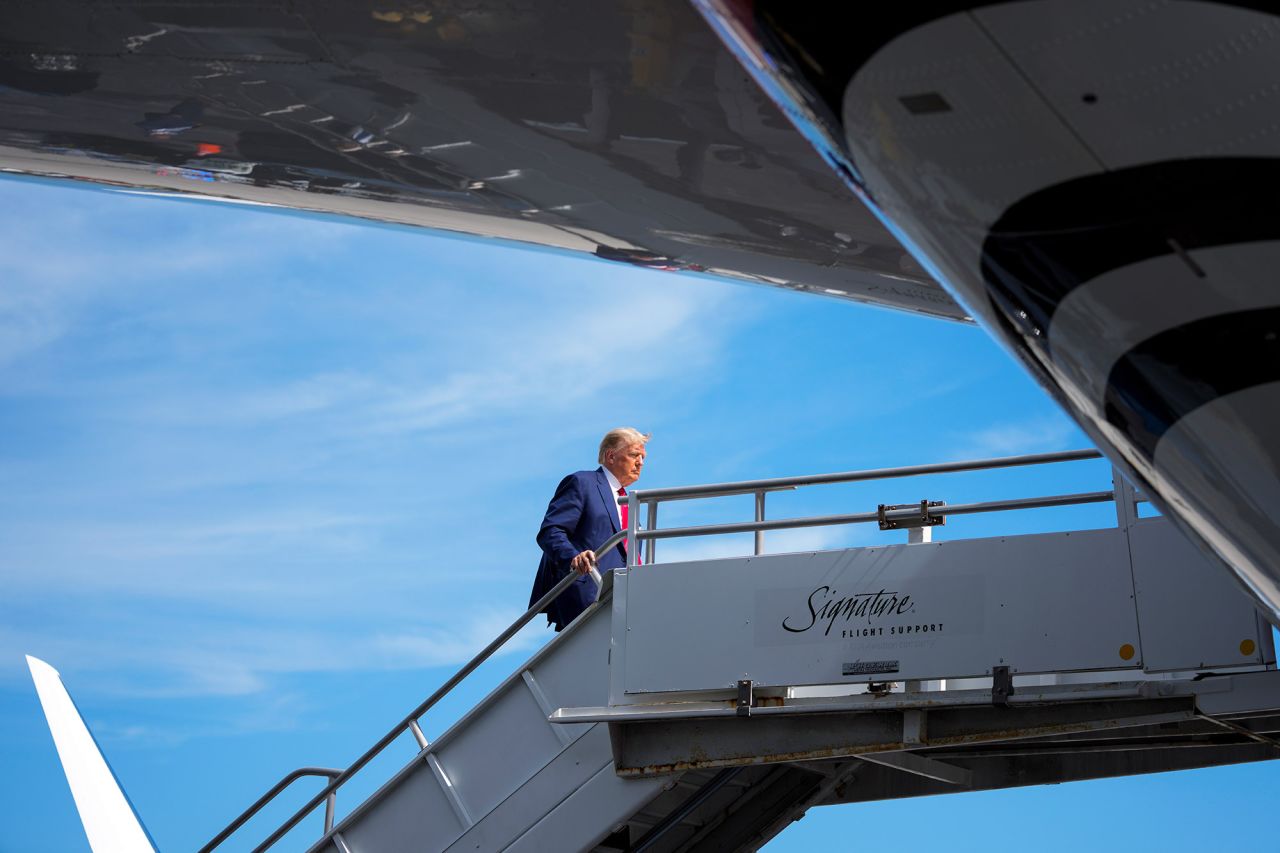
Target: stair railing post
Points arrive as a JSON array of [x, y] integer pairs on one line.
[[633, 524], [651, 545], [760, 517]]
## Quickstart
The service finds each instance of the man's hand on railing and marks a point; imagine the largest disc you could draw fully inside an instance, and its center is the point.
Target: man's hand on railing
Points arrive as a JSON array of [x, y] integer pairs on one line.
[[584, 562]]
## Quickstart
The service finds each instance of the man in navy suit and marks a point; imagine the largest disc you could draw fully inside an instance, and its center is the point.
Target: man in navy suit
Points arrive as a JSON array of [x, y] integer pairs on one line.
[[583, 513]]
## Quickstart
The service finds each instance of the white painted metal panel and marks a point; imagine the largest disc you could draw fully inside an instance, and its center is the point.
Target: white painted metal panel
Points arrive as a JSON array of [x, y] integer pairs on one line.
[[498, 751], [577, 679], [576, 767], [1043, 603], [1180, 593], [413, 806], [607, 799]]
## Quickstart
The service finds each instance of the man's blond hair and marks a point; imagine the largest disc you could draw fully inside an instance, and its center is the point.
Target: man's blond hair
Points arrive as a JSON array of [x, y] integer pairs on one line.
[[620, 437]]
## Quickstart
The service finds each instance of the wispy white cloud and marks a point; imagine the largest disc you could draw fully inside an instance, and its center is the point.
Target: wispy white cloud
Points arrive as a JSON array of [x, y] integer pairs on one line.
[[58, 263], [153, 557], [1042, 434], [664, 334], [213, 658], [276, 713], [234, 471], [293, 398], [453, 644]]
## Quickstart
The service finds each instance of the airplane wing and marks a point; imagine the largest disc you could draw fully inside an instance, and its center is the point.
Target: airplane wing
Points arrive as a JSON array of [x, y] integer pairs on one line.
[[624, 132], [109, 819]]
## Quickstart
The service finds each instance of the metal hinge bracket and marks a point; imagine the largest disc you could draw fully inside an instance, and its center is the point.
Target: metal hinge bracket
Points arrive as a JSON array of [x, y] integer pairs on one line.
[[1001, 685], [923, 519]]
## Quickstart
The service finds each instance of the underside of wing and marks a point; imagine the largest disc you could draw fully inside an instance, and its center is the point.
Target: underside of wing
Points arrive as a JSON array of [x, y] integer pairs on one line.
[[625, 132]]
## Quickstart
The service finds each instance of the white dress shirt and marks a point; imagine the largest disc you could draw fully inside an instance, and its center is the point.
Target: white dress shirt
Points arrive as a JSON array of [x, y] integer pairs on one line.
[[614, 485]]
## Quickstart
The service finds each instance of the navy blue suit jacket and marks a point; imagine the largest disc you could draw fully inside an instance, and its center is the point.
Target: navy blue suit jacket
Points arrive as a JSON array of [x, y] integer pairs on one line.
[[580, 517]]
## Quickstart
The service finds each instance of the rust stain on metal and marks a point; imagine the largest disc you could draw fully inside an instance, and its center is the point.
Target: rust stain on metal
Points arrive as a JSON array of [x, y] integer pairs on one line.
[[699, 760]]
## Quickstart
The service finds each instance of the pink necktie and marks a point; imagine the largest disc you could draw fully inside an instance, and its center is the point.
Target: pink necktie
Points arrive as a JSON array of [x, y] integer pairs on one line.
[[622, 510]]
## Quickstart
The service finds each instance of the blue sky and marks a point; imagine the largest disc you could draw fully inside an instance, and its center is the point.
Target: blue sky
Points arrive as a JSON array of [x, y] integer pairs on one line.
[[269, 478]]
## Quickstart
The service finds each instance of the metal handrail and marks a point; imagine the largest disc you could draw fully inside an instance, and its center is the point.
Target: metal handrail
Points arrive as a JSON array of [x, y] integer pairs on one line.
[[404, 725], [651, 498], [288, 780], [746, 487], [863, 517]]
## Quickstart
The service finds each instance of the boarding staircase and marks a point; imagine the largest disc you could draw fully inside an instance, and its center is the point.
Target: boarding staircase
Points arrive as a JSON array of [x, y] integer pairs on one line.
[[705, 705]]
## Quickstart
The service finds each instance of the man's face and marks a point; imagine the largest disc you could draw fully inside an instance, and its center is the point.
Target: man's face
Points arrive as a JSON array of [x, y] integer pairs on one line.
[[625, 463]]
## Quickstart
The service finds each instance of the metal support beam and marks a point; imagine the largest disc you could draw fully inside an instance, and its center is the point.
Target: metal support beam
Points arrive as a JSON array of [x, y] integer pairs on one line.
[[654, 748], [540, 697], [839, 777], [1241, 730], [909, 762], [459, 808], [989, 773], [687, 808], [742, 804], [914, 727]]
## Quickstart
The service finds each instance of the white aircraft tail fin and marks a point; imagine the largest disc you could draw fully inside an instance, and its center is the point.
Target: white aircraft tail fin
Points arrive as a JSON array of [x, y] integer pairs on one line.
[[109, 818]]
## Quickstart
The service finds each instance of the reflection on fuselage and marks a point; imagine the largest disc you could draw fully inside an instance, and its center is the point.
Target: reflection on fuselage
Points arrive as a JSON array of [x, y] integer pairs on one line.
[[625, 131]]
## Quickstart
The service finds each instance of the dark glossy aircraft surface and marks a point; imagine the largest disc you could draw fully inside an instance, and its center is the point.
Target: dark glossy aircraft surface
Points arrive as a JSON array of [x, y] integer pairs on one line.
[[1095, 181], [619, 130]]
